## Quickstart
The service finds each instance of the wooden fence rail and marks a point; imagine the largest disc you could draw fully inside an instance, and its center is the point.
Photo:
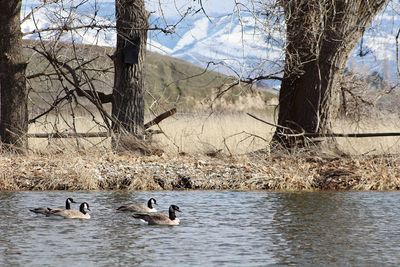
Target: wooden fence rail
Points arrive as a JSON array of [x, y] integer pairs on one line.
[[313, 135], [154, 121], [68, 135]]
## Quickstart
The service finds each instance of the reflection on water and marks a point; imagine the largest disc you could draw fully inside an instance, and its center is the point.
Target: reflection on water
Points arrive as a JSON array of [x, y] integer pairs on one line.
[[218, 228]]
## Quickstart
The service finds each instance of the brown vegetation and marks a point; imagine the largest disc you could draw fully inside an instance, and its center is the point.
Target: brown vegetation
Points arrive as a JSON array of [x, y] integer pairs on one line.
[[251, 172], [205, 152]]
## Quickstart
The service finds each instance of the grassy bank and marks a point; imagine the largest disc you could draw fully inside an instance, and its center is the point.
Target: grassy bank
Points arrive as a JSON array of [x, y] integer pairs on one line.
[[204, 151], [251, 172]]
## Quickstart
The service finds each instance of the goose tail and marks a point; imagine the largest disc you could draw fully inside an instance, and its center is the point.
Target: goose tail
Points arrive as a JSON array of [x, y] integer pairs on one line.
[[123, 208], [40, 210], [141, 216]]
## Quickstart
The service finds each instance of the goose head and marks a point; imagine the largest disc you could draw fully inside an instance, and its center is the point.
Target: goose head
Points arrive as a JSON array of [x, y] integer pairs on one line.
[[151, 202], [83, 207], [172, 210]]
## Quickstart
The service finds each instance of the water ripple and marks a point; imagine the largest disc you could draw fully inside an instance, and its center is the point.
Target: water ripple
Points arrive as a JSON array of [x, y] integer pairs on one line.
[[218, 228]]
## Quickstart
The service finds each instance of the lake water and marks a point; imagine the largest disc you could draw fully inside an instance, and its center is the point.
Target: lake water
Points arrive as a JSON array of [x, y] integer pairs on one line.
[[217, 229]]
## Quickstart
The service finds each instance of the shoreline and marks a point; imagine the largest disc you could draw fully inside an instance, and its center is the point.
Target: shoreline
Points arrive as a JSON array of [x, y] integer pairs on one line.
[[259, 172]]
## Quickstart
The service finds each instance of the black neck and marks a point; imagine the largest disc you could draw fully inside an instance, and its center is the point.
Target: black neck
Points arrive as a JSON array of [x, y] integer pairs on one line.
[[82, 208], [172, 215], [150, 203], [67, 204]]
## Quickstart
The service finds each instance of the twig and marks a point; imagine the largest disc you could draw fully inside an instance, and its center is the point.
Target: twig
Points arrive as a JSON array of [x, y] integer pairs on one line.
[[269, 123]]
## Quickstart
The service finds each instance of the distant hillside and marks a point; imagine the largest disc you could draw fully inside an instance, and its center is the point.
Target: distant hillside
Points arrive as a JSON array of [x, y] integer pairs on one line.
[[245, 44], [169, 81]]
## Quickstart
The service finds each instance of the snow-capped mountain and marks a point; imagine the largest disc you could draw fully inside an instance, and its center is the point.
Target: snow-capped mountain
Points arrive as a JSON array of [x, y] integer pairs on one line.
[[236, 44]]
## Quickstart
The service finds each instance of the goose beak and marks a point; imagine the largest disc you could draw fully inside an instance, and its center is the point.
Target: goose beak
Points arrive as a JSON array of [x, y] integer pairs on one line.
[[179, 210], [88, 209]]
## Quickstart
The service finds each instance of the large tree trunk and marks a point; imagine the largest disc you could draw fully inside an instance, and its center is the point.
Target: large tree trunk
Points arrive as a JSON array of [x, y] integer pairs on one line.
[[128, 93], [13, 92], [320, 36]]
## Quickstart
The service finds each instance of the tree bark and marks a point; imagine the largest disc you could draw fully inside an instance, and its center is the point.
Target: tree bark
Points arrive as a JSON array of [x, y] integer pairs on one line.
[[320, 36], [13, 92], [128, 92]]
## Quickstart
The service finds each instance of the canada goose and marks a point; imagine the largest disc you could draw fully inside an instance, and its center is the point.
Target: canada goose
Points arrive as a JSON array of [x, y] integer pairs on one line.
[[139, 207], [72, 214], [160, 218], [47, 210]]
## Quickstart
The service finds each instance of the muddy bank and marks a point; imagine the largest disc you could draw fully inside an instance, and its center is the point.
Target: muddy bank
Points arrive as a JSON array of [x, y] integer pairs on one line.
[[262, 172]]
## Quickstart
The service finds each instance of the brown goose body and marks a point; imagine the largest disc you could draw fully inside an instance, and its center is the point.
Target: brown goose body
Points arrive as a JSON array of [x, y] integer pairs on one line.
[[160, 218], [139, 207], [72, 214], [46, 211]]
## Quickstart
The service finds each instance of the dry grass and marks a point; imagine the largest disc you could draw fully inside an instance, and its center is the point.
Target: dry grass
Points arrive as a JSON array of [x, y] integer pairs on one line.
[[108, 171], [82, 121], [370, 145], [217, 156], [231, 133]]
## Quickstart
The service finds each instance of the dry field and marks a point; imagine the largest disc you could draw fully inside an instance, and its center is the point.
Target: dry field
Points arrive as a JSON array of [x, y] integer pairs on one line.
[[231, 134], [370, 145]]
